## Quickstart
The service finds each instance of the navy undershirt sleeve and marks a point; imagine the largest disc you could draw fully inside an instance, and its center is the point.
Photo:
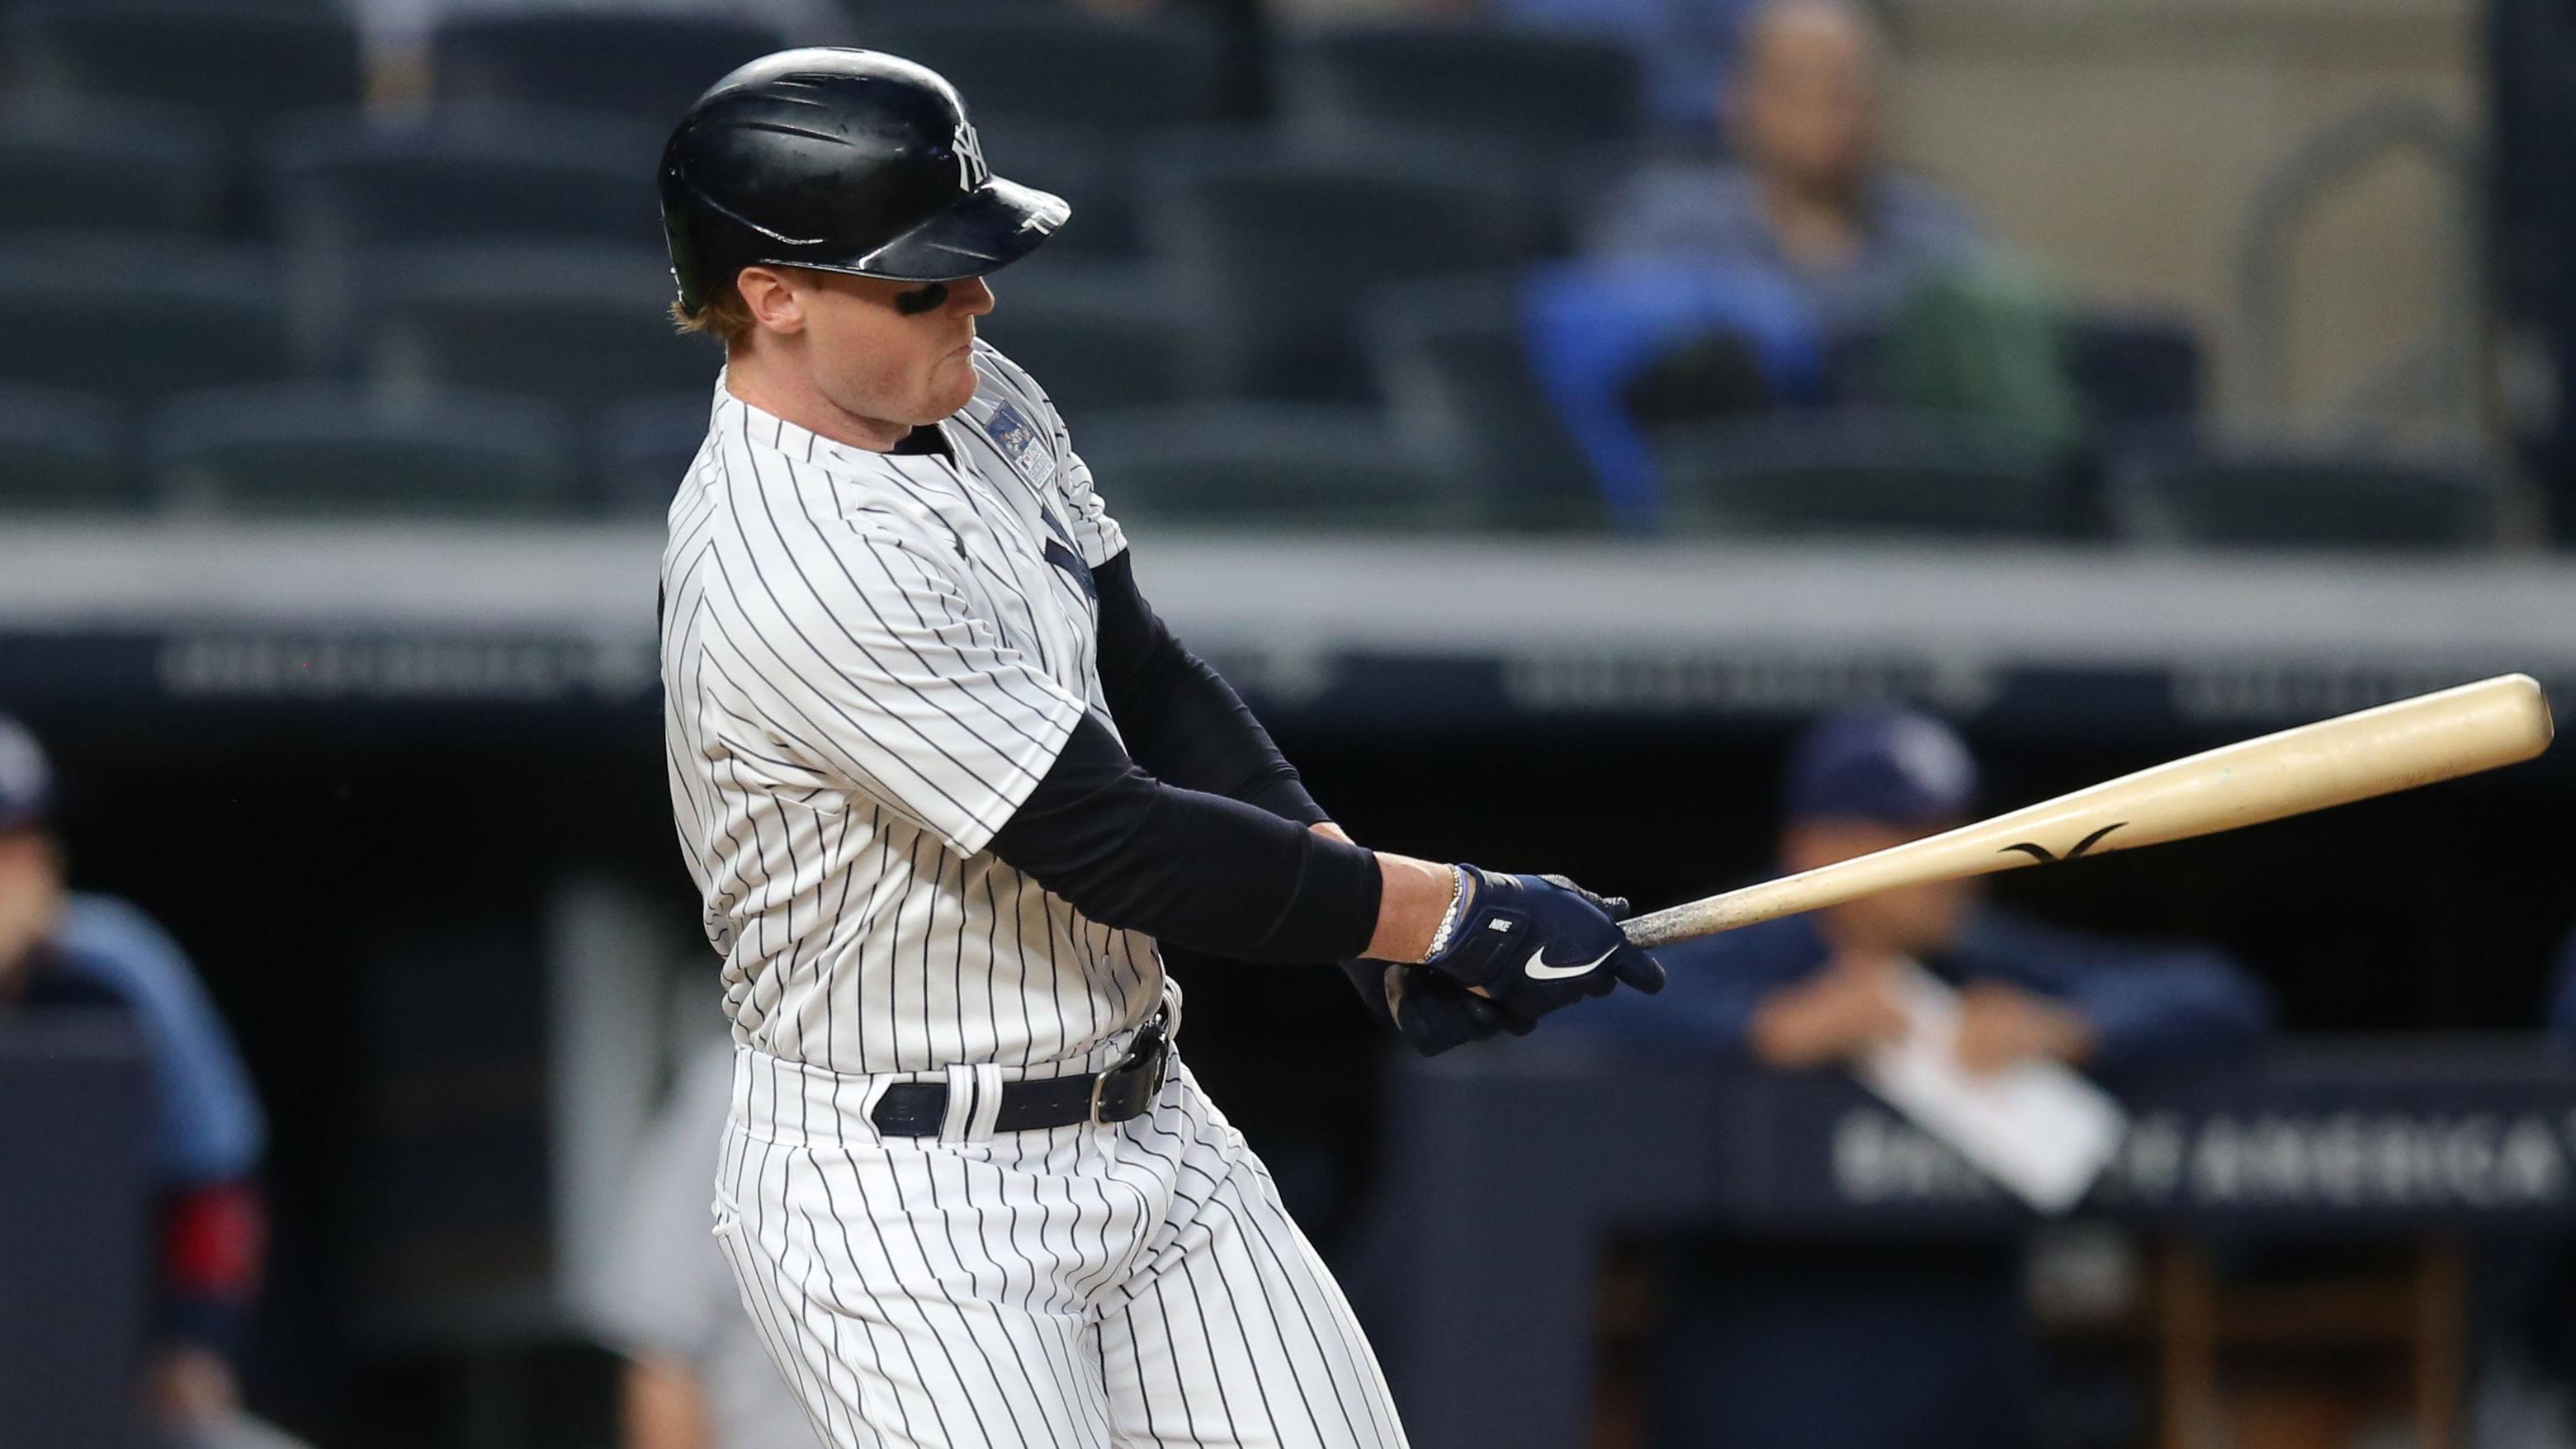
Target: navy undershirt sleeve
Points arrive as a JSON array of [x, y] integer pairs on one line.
[[1179, 717], [1194, 869]]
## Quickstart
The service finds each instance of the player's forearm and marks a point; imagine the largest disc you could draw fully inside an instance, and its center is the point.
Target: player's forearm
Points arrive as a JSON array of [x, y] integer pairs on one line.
[[1413, 895], [1195, 869]]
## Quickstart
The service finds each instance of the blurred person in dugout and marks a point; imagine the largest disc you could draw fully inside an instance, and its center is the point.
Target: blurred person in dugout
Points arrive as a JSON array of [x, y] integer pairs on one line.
[[1918, 309], [696, 1375], [63, 950], [1760, 1339]]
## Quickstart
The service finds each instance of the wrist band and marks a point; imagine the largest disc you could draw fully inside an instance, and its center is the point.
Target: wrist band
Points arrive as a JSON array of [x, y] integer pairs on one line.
[[1449, 917]]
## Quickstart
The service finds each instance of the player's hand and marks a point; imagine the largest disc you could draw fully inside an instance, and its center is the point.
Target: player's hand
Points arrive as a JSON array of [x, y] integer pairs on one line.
[[1432, 1011], [1536, 944], [2000, 1025], [1832, 1016]]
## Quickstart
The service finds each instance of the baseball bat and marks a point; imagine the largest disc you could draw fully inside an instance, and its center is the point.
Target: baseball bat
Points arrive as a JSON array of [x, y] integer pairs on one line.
[[2439, 736]]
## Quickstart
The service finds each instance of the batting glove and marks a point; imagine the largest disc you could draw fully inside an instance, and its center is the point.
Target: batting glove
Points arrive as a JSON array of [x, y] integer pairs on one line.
[[1433, 1011], [1536, 944]]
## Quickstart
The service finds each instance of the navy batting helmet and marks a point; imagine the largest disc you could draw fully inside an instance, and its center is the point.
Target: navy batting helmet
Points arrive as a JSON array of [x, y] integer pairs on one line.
[[841, 160]]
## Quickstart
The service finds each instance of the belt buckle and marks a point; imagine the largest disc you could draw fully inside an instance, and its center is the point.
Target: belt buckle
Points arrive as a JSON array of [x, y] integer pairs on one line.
[[1149, 1038]]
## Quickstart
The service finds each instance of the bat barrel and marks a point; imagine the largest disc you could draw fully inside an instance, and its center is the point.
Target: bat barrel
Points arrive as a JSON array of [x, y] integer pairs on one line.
[[2400, 746]]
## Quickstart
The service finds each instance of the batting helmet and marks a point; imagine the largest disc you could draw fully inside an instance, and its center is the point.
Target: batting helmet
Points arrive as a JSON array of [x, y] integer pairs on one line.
[[841, 160]]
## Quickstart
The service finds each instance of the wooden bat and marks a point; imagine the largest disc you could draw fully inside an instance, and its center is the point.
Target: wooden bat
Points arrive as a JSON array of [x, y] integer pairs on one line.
[[2440, 736]]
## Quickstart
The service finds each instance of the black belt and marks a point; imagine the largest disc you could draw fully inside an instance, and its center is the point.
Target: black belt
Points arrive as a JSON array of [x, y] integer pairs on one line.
[[1127, 1089]]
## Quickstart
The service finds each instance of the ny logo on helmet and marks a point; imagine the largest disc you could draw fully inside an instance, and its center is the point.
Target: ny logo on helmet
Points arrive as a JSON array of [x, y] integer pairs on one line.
[[971, 170]]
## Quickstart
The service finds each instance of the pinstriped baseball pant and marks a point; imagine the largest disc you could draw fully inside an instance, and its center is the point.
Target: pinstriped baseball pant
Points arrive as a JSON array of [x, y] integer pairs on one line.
[[1078, 1288]]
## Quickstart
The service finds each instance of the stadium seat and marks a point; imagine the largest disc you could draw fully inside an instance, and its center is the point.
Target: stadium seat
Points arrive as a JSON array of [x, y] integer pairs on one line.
[[1526, 90], [1454, 359], [62, 450], [644, 67], [2290, 496], [465, 173], [1850, 472], [131, 166], [164, 316], [330, 449], [1094, 337], [240, 63], [1055, 63], [2133, 371], [1282, 251], [1265, 466], [583, 327], [642, 449]]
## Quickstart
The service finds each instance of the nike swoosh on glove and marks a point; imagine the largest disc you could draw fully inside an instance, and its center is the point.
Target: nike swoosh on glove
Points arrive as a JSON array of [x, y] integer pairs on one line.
[[1535, 945]]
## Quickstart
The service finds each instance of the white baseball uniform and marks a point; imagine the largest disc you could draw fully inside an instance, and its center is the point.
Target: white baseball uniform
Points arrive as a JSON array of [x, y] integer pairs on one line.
[[869, 660]]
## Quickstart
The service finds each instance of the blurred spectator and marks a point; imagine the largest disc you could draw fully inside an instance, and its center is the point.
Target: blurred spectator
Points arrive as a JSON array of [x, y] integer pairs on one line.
[[696, 1375], [1681, 44], [1761, 1343], [1957, 325], [1811, 194], [61, 950]]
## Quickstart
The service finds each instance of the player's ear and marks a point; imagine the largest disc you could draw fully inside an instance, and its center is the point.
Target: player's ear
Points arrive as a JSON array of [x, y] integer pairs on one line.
[[771, 301]]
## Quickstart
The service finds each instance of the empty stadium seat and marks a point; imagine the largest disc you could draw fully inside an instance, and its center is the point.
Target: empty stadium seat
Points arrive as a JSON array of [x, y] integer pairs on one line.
[[1093, 337], [1282, 251], [1265, 466], [1524, 89], [136, 320], [642, 449], [466, 173], [578, 326], [327, 449], [1454, 361], [2133, 371], [62, 450], [241, 63], [134, 166], [1056, 63], [643, 66], [1843, 472], [2293, 496]]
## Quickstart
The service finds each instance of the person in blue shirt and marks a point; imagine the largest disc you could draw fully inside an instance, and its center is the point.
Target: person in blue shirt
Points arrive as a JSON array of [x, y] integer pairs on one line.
[[1762, 1339], [63, 950], [1809, 196]]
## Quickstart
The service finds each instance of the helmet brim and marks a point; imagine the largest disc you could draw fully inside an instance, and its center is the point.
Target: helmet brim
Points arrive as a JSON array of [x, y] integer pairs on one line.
[[991, 227]]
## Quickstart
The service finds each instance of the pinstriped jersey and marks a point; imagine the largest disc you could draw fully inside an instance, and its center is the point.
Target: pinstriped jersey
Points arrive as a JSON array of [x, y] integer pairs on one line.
[[868, 660]]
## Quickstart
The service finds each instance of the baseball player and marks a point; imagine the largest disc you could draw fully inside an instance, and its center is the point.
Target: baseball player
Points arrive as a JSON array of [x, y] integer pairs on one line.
[[63, 950], [944, 781]]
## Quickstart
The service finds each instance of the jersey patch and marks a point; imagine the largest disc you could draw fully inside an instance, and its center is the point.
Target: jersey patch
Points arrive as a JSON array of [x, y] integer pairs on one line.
[[1023, 446]]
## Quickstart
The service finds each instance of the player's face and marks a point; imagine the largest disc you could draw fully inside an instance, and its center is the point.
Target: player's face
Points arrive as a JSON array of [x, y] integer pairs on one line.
[[892, 352]]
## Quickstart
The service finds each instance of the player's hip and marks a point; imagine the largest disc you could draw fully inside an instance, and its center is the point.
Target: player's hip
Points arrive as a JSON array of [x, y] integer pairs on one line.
[[906, 1007], [1122, 1067]]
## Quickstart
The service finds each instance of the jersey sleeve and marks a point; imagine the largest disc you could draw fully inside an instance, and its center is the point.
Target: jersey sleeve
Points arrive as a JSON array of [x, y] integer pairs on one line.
[[870, 669], [209, 1124], [1096, 534]]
